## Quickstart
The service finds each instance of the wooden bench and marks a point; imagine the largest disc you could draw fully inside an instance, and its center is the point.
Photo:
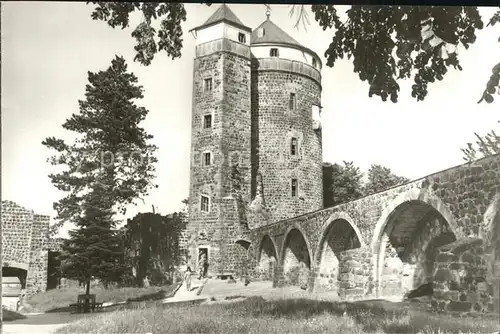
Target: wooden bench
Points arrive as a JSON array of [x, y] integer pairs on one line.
[[82, 301], [225, 276]]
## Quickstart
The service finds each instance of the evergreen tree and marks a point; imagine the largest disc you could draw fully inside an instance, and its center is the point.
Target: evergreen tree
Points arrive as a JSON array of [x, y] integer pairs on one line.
[[112, 148], [94, 249], [107, 167]]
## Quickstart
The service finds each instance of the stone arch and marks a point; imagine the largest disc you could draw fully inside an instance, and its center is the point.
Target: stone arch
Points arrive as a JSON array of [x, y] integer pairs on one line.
[[241, 257], [267, 257], [339, 235], [19, 270], [494, 264], [490, 233], [488, 229], [405, 240], [296, 257]]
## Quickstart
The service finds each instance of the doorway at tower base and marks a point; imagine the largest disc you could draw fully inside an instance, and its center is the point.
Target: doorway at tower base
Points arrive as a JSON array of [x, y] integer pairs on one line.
[[226, 261]]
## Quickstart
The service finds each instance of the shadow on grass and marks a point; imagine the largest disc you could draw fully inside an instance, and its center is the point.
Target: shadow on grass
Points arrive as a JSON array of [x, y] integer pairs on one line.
[[149, 297], [8, 315], [371, 315]]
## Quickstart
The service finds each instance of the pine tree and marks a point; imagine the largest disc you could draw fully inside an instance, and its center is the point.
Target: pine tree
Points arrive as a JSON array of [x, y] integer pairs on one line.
[[106, 168], [112, 145], [94, 248]]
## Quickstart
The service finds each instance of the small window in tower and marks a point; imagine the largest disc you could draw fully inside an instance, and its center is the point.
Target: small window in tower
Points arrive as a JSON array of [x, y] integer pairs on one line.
[[292, 102], [207, 159], [315, 64], [208, 85], [294, 187], [242, 38], [293, 147], [261, 32], [207, 121], [205, 203], [274, 52]]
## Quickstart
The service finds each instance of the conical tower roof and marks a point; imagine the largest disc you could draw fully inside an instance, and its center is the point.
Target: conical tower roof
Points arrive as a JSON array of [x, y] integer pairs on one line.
[[269, 33], [223, 14]]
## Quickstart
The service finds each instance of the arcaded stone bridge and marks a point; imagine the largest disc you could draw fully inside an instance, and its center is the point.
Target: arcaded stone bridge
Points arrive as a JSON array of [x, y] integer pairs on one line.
[[443, 229]]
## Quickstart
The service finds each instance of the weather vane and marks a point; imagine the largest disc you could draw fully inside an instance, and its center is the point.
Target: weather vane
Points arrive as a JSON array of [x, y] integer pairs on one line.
[[268, 11]]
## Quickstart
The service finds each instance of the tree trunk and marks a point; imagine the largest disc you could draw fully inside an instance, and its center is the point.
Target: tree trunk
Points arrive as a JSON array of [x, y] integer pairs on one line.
[[86, 307]]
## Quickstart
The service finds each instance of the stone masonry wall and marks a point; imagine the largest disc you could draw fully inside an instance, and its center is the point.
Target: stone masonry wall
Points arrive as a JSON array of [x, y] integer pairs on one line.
[[459, 279], [39, 256], [16, 234], [228, 141], [461, 195], [355, 279], [25, 244], [273, 127], [412, 265], [340, 236]]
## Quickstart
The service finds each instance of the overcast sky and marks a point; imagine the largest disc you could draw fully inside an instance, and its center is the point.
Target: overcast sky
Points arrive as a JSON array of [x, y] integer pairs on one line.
[[48, 47]]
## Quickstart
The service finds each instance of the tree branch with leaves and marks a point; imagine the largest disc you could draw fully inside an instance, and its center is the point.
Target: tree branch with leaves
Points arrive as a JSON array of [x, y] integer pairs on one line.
[[483, 147]]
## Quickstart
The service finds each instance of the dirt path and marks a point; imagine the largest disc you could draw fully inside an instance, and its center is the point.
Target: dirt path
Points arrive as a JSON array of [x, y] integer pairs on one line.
[[41, 323]]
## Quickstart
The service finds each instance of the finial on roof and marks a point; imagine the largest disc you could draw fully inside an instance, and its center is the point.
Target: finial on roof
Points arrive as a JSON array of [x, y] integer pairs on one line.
[[268, 11]]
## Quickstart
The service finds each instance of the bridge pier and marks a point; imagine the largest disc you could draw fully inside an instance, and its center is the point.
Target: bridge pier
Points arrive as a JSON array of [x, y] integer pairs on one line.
[[460, 279]]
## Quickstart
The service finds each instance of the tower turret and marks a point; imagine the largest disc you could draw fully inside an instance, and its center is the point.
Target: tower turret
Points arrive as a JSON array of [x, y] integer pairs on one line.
[[220, 140], [286, 127]]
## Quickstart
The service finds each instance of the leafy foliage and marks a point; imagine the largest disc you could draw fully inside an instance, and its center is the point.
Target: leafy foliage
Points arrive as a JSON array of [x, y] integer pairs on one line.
[[342, 184], [381, 178], [152, 245], [493, 83], [485, 146], [167, 38], [389, 43], [111, 150]]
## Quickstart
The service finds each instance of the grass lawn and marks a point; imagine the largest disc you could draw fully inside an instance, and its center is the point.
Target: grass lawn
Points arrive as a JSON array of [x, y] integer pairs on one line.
[[8, 315], [256, 315], [60, 299]]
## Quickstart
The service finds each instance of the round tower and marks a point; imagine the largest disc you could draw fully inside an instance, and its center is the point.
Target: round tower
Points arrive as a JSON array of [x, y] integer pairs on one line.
[[286, 126]]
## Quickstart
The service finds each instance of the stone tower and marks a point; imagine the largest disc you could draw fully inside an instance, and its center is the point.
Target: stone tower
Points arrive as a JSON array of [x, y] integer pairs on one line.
[[256, 153], [220, 140], [286, 127]]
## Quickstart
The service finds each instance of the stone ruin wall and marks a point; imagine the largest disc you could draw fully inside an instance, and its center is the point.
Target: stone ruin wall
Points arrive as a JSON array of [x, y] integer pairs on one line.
[[26, 245]]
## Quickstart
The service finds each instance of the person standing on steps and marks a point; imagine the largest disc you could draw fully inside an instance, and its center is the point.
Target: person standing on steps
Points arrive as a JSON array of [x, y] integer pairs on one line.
[[201, 266], [205, 268], [187, 278]]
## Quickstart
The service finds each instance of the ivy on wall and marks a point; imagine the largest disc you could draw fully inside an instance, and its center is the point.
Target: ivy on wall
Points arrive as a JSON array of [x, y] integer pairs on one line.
[[153, 247]]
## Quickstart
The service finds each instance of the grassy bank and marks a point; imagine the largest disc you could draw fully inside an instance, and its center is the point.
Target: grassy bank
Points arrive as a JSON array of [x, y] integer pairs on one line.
[[256, 315], [60, 299]]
